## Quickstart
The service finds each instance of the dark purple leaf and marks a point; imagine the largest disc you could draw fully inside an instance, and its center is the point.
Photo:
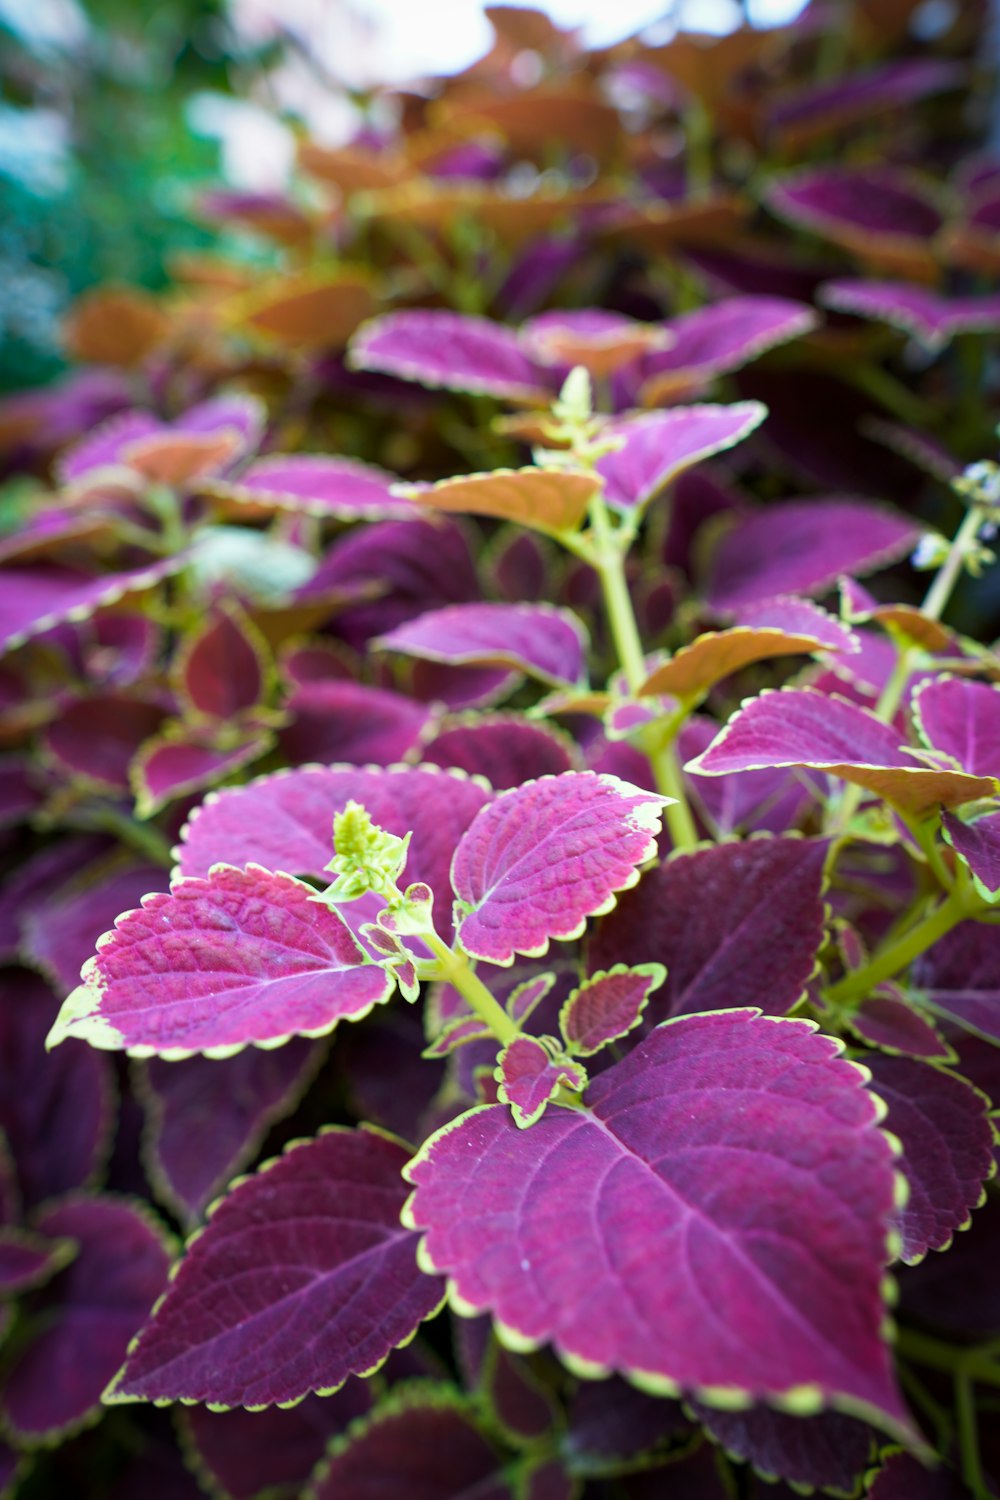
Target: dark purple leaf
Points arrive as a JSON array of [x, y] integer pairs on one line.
[[932, 319], [879, 213], [96, 739], [58, 1128], [285, 822], [346, 721], [528, 1077], [89, 1314], [800, 727], [978, 843], [756, 1261], [607, 1006], [536, 638], [947, 1136], [61, 929], [739, 924], [802, 547], [19, 797], [240, 957], [611, 1424], [885, 1020], [302, 1277], [903, 1477], [746, 801], [802, 115], [698, 1475], [29, 1260], [177, 762], [207, 1117], [519, 1403], [959, 978], [957, 1293], [446, 349], [313, 484], [222, 670], [247, 1453], [659, 448], [828, 1451], [541, 859], [507, 750]]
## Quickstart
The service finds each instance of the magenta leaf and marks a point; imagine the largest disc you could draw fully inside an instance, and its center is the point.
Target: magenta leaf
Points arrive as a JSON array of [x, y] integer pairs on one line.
[[314, 484], [829, 1451], [801, 115], [60, 931], [529, 1076], [875, 210], [445, 349], [800, 727], [272, 1451], [302, 1277], [962, 720], [886, 1020], [541, 859], [240, 957], [903, 1477], [34, 599], [607, 1006], [801, 547], [89, 1313], [658, 448], [177, 761], [738, 924], [536, 638], [222, 670], [206, 1117], [933, 319], [425, 1443], [978, 843], [284, 821], [347, 721], [763, 801], [29, 1260], [959, 978], [755, 1263], [947, 1136], [713, 340], [59, 1128], [504, 748]]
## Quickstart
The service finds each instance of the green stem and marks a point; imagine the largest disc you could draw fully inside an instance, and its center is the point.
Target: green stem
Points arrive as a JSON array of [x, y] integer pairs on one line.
[[976, 1363], [897, 956], [940, 590], [968, 1436], [144, 838], [457, 971]]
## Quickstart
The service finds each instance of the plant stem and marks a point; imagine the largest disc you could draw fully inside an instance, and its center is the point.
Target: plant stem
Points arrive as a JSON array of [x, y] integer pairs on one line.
[[940, 590], [968, 1435], [897, 956], [977, 1362], [144, 838], [457, 971]]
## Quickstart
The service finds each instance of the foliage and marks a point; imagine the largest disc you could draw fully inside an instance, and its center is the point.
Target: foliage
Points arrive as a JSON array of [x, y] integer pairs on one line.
[[547, 898]]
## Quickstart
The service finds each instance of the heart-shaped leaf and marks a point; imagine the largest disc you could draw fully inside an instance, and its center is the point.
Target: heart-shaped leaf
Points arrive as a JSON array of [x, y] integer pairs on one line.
[[800, 727], [349, 721], [886, 1020], [223, 669], [932, 319], [243, 956], [308, 1273], [536, 638], [312, 484], [549, 500], [541, 859], [802, 547], [738, 924], [607, 1006], [444, 349], [947, 1135], [962, 720], [87, 1315], [756, 1261], [96, 739], [206, 1117], [658, 448]]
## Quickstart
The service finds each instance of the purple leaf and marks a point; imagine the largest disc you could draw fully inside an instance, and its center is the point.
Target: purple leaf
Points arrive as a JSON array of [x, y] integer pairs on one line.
[[959, 978], [243, 956], [813, 111], [90, 1312], [611, 1424], [885, 1020], [947, 1137], [601, 341], [425, 1444], [302, 1277], [273, 1451], [696, 1475], [739, 924], [903, 1477], [828, 1451], [207, 1117], [445, 349], [518, 1403], [658, 448], [932, 319], [19, 797], [801, 547], [760, 801], [346, 721], [177, 762], [879, 213], [755, 1260], [546, 642], [58, 1129], [504, 748], [102, 447], [28, 1260], [313, 484], [958, 1292], [528, 1077], [35, 599], [961, 719], [978, 843], [96, 739], [714, 340], [607, 1006], [800, 727], [541, 859], [61, 929], [284, 822], [222, 670]]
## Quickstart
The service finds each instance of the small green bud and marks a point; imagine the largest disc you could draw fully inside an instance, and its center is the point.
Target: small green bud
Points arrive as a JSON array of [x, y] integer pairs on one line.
[[575, 404], [366, 857]]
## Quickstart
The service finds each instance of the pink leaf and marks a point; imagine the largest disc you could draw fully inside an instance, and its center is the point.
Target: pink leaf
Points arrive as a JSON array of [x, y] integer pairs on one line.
[[607, 1006], [528, 1077], [659, 448], [445, 349], [313, 484], [548, 643]]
